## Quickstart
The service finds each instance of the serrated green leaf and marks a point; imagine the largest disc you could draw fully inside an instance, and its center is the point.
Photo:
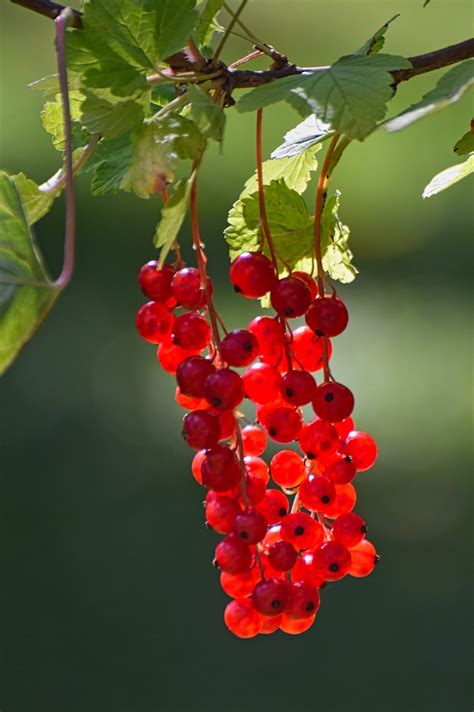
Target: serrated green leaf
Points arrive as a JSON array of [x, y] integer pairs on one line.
[[303, 136], [110, 118], [207, 25], [336, 256], [109, 165], [351, 95], [49, 85], [295, 170], [207, 115], [377, 41], [36, 203], [123, 40], [26, 294], [449, 177], [465, 144], [53, 121], [172, 216], [448, 90]]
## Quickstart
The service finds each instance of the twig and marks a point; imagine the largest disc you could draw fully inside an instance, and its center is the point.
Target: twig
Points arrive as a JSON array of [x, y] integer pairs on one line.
[[50, 9], [225, 37]]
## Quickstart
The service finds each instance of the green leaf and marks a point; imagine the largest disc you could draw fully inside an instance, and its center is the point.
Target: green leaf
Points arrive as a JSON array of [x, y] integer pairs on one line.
[[123, 40], [351, 95], [288, 218], [172, 216], [109, 165], [53, 121], [207, 25], [377, 41], [36, 203], [448, 90], [306, 134], [337, 258], [449, 177], [465, 144], [26, 295], [295, 170], [208, 116], [110, 118]]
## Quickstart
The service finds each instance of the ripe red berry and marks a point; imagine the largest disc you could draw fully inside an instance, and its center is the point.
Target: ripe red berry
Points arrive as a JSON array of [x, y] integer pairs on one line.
[[344, 502], [282, 556], [364, 559], [220, 470], [262, 383], [332, 559], [309, 281], [270, 336], [270, 625], [187, 290], [233, 556], [287, 469], [170, 356], [274, 506], [333, 402], [252, 274], [283, 424], [303, 570], [239, 347], [254, 489], [242, 619], [240, 585], [254, 439], [303, 601], [191, 374], [344, 427], [224, 389], [226, 421], [250, 526], [296, 627], [189, 402], [290, 297], [156, 283], [341, 470], [198, 459], [191, 332], [327, 316], [221, 512], [361, 447], [154, 322], [301, 530], [270, 597], [317, 493], [256, 467], [201, 430], [319, 439], [307, 348], [349, 529], [298, 387]]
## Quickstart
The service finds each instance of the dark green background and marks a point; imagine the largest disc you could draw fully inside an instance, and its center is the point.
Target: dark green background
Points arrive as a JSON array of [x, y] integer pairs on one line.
[[108, 602]]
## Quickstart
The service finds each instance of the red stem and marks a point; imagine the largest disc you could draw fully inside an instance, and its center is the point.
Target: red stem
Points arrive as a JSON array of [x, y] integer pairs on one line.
[[261, 192]]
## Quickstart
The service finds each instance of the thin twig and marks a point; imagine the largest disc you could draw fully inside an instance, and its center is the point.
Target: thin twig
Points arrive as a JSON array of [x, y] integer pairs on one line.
[[228, 30], [50, 9]]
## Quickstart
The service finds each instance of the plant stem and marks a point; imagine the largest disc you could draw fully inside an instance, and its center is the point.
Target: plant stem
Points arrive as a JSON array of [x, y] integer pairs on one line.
[[261, 192], [58, 180], [264, 48], [225, 37]]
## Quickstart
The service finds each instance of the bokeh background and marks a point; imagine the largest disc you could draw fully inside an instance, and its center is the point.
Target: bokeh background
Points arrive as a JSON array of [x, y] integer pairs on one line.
[[108, 602]]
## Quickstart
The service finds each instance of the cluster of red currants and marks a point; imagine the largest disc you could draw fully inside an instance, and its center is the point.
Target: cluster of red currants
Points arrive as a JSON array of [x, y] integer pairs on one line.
[[274, 558]]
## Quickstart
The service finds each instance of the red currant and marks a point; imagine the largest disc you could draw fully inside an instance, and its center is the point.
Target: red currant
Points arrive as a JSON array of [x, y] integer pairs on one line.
[[303, 601], [156, 283], [242, 619], [233, 556], [303, 570], [254, 439], [364, 559], [250, 525], [220, 470], [349, 529], [262, 383], [282, 556], [333, 402], [290, 297], [301, 530], [296, 627], [170, 356], [327, 316], [287, 469], [307, 348], [191, 332], [283, 424], [224, 389], [270, 336], [332, 559], [319, 438], [341, 470], [252, 274], [274, 506], [344, 502], [317, 493], [298, 387], [361, 447], [201, 430], [187, 289], [154, 322], [240, 585], [309, 281], [191, 374], [221, 512], [270, 597], [189, 402], [256, 467], [239, 348]]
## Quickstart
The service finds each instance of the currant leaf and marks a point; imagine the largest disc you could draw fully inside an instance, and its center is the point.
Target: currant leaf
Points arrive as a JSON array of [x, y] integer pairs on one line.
[[36, 202], [26, 294], [449, 177], [53, 122], [110, 118], [295, 170], [303, 136], [207, 25], [208, 116], [377, 41], [448, 90], [337, 258], [465, 144], [172, 216]]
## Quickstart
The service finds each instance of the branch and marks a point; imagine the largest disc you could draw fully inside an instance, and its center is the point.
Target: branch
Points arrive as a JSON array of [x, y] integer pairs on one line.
[[49, 9]]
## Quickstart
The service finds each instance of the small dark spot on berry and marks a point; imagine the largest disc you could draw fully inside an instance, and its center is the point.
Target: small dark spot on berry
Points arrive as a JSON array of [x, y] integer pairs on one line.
[[364, 529], [319, 332], [325, 499], [299, 531], [333, 567], [329, 397], [237, 289], [288, 312], [348, 458], [282, 512], [273, 432], [276, 603], [244, 535], [289, 392], [310, 456], [248, 346], [216, 402], [309, 606]]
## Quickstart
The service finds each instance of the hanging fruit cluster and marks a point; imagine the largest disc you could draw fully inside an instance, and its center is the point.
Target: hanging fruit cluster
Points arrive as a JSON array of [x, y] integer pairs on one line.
[[275, 556]]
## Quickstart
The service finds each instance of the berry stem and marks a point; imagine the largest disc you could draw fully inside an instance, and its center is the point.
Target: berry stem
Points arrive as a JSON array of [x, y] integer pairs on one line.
[[178, 261], [230, 27], [261, 191]]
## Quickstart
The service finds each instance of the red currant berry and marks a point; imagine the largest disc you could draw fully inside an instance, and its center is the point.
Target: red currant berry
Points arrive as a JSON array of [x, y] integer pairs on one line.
[[341, 471], [201, 430], [262, 383], [274, 506], [290, 297], [298, 387], [270, 336], [319, 438], [154, 322], [187, 290], [252, 274], [170, 356], [295, 627], [349, 529], [283, 424], [256, 467], [361, 447], [301, 530], [240, 585], [282, 556], [327, 316], [233, 556], [309, 281], [254, 439], [239, 348], [262, 411], [188, 402], [344, 502], [270, 625], [307, 349], [221, 512], [191, 332], [317, 493], [250, 525], [191, 374], [304, 570], [332, 559], [364, 559], [254, 489], [344, 427], [333, 402], [224, 389], [242, 619], [303, 601], [156, 283], [270, 597], [287, 469], [220, 470], [196, 465]]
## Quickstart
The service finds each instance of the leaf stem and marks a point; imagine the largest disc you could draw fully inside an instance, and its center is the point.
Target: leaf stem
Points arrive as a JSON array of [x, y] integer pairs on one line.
[[261, 191], [58, 180], [225, 37]]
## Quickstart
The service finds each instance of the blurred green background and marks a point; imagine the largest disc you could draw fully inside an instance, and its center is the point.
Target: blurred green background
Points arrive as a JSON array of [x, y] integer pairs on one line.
[[108, 602]]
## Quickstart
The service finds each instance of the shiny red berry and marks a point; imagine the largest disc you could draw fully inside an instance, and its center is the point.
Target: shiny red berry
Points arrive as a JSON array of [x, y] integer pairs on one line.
[[282, 556], [303, 570], [341, 471], [187, 289], [317, 493], [240, 585], [283, 424], [262, 383], [201, 430], [191, 374], [250, 526], [287, 468], [170, 356], [274, 506], [307, 348], [270, 336], [189, 402], [309, 281], [303, 601], [327, 316], [256, 467], [221, 512], [363, 559], [344, 502], [254, 489], [224, 389], [220, 470], [239, 348], [296, 627], [361, 448], [333, 402], [301, 530], [349, 529], [154, 322], [298, 387], [319, 438], [332, 560], [156, 283], [254, 439], [233, 556], [242, 619], [270, 597], [290, 297], [252, 274], [191, 332]]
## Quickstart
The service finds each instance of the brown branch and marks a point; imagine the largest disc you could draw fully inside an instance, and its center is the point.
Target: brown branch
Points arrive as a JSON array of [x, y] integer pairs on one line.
[[49, 9]]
